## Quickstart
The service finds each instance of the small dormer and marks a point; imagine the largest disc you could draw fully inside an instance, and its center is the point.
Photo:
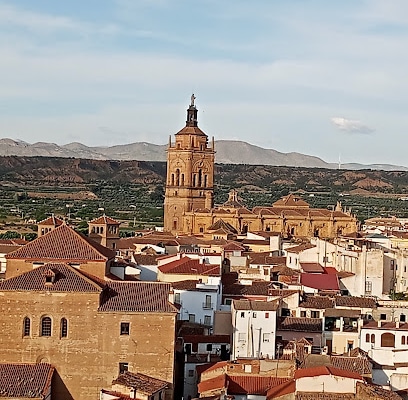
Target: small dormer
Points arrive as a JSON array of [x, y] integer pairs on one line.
[[50, 276]]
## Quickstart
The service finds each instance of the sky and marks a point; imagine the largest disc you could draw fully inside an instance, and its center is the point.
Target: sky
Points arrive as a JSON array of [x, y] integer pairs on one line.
[[318, 77]]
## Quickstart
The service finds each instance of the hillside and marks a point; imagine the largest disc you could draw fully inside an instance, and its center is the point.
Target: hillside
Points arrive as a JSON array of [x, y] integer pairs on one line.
[[227, 152]]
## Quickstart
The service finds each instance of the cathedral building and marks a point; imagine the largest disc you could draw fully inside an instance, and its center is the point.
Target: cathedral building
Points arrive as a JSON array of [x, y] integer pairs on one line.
[[189, 198]]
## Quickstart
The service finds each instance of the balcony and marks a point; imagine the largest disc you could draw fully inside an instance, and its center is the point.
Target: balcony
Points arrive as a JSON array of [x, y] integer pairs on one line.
[[208, 306]]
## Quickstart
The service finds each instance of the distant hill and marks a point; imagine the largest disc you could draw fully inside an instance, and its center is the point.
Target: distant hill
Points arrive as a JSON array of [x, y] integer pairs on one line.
[[227, 152]]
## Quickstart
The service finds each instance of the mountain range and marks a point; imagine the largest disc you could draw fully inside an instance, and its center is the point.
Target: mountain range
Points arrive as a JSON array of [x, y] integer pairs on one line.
[[227, 152]]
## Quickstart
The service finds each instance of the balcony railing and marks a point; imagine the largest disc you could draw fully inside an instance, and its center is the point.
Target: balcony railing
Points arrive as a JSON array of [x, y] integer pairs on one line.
[[208, 306]]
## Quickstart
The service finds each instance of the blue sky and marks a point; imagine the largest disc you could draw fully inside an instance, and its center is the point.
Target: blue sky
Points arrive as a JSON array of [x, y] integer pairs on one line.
[[324, 78]]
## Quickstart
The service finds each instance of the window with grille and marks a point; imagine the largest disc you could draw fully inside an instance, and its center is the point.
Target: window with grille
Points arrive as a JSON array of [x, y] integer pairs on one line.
[[46, 326], [64, 327], [123, 367], [124, 328], [26, 326]]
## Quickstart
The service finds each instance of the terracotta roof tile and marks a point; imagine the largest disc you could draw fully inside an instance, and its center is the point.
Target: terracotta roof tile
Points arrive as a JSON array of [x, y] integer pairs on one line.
[[256, 305], [376, 392], [216, 383], [145, 259], [25, 380], [52, 221], [300, 324], [67, 279], [140, 382], [326, 370], [63, 243], [299, 248], [257, 288], [320, 281], [353, 301], [252, 384], [312, 267], [284, 388], [319, 302], [116, 395], [186, 265], [359, 365], [137, 297], [104, 220]]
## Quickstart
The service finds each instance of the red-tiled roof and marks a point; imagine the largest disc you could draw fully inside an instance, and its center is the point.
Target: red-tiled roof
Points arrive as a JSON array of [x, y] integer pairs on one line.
[[300, 324], [63, 243], [252, 384], [211, 367], [190, 266], [104, 220], [326, 370], [299, 248], [386, 325], [359, 365], [219, 382], [52, 221], [25, 380], [145, 259], [353, 301], [137, 297], [140, 382], [319, 302], [312, 267], [256, 305], [282, 389], [116, 395], [233, 246], [192, 286], [257, 288], [320, 281], [291, 201], [67, 279]]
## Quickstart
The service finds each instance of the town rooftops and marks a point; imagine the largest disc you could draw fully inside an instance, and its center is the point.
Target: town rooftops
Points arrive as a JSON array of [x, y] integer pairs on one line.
[[320, 281], [25, 380], [299, 324], [299, 248], [256, 305], [191, 285], [186, 265], [137, 297], [63, 243], [64, 279], [326, 370], [142, 383]]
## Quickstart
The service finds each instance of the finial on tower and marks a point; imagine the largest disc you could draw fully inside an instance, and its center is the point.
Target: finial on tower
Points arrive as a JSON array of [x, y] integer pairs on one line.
[[192, 100]]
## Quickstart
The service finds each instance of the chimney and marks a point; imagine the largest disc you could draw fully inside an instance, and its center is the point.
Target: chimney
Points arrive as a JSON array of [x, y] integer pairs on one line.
[[397, 323], [379, 324]]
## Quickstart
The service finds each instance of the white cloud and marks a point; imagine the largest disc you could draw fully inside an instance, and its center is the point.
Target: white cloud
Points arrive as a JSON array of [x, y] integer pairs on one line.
[[351, 126]]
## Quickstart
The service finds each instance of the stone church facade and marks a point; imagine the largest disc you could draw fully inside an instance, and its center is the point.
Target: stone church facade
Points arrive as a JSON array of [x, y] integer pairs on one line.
[[189, 197]]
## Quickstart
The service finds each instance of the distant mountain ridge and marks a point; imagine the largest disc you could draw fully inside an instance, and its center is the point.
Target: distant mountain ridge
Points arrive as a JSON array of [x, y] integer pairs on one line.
[[227, 152]]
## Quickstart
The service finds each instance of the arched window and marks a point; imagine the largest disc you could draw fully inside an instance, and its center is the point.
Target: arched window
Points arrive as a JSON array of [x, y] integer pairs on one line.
[[177, 177], [200, 177], [26, 326], [194, 179], [402, 318], [205, 180], [387, 340], [367, 338], [64, 327], [172, 179], [182, 179], [46, 326], [402, 339], [372, 338]]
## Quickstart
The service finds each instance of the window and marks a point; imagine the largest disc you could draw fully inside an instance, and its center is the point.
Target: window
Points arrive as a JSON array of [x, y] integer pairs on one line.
[[26, 326], [266, 337], [124, 328], [303, 314], [207, 319], [387, 340], [64, 327], [209, 347], [368, 286], [177, 298], [367, 338], [45, 326], [123, 367], [241, 337], [190, 373], [228, 302], [383, 317], [191, 317], [266, 315], [242, 314], [402, 339], [315, 314], [285, 312], [402, 318], [373, 338], [254, 314]]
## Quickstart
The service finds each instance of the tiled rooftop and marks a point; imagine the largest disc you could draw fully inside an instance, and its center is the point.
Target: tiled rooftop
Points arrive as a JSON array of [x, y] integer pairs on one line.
[[320, 281], [326, 370], [299, 324], [360, 365], [252, 384], [51, 221], [190, 266], [257, 288], [256, 305], [63, 243], [104, 220], [25, 380], [352, 301], [319, 302], [140, 382], [137, 297], [67, 279]]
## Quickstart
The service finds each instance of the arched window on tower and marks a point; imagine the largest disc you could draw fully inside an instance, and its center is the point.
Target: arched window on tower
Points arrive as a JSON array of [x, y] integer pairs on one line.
[[182, 179], [200, 177], [194, 179], [172, 179], [46, 326], [205, 180], [177, 177]]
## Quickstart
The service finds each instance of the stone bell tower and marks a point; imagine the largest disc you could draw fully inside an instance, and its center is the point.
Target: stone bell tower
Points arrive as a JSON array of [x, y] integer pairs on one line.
[[190, 173]]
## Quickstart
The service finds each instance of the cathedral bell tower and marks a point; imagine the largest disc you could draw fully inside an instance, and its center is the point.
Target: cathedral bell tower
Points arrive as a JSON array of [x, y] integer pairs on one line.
[[190, 173]]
